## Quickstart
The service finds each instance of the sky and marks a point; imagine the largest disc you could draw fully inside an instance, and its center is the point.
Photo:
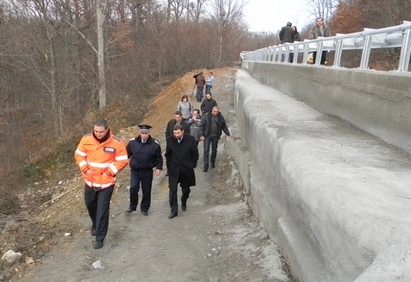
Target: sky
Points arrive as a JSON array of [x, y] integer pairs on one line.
[[272, 15]]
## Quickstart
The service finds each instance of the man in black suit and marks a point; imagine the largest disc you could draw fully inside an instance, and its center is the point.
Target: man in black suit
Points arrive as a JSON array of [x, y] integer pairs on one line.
[[181, 159], [178, 119]]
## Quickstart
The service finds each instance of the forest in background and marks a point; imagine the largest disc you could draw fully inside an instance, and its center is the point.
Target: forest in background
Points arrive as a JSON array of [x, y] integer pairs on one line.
[[50, 78]]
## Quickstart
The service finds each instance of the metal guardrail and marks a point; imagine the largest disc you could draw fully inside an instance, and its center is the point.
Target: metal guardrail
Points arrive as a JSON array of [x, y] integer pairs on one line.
[[389, 37]]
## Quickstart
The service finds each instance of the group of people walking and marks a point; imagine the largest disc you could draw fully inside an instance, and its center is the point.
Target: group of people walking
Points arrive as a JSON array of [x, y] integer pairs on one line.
[[289, 34], [100, 155]]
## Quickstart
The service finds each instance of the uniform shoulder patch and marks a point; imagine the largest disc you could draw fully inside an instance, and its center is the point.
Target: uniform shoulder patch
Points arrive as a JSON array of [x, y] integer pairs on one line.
[[156, 141], [134, 138]]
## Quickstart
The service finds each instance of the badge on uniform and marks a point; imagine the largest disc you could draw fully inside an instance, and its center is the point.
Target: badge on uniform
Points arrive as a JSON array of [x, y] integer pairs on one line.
[[109, 150]]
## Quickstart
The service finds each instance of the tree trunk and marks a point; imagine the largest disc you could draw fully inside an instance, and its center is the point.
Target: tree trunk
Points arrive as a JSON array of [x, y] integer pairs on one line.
[[100, 12]]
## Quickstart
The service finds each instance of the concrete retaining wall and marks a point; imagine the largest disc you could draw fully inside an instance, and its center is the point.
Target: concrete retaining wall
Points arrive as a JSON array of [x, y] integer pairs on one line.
[[376, 102], [334, 198]]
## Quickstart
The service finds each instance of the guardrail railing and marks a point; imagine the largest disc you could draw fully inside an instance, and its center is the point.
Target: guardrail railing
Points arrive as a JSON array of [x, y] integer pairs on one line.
[[389, 37]]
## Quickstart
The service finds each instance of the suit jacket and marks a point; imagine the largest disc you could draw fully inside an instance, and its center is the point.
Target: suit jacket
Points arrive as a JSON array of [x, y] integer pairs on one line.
[[182, 156], [170, 127]]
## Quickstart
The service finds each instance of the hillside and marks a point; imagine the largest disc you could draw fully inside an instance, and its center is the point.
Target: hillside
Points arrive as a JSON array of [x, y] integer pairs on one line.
[[215, 240]]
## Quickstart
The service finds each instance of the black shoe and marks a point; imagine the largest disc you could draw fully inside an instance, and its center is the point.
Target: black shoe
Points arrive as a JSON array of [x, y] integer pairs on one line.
[[212, 165], [93, 231], [129, 211], [205, 169], [145, 213], [98, 244], [183, 206], [172, 215]]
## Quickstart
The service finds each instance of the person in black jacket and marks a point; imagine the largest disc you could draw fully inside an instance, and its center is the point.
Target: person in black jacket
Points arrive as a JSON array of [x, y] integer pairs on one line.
[[144, 153], [207, 104], [178, 119], [181, 159], [287, 36], [212, 126]]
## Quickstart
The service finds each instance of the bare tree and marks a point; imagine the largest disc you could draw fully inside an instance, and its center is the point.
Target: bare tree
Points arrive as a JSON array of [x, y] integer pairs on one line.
[[322, 8], [196, 9], [227, 14], [101, 11]]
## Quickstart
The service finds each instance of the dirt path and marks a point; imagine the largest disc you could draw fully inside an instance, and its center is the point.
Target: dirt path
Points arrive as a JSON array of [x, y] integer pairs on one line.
[[216, 239]]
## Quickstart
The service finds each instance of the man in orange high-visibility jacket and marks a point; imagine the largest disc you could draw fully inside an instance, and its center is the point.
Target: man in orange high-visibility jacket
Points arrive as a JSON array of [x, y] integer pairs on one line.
[[100, 156]]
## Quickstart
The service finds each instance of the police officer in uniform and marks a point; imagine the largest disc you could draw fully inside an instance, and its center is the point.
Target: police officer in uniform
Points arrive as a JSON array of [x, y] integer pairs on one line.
[[145, 154]]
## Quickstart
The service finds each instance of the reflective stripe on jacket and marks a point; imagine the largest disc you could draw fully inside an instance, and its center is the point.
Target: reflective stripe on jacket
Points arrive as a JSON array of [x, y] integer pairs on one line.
[[104, 160]]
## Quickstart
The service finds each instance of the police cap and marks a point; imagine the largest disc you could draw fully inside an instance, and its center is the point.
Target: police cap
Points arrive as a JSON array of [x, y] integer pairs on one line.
[[144, 128]]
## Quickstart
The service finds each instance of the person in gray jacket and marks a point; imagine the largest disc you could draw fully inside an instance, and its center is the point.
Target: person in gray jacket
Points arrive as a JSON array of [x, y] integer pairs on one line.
[[195, 124], [185, 107], [319, 30]]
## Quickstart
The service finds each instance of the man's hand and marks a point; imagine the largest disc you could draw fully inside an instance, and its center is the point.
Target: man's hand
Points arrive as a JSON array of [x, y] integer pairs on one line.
[[158, 172], [202, 138]]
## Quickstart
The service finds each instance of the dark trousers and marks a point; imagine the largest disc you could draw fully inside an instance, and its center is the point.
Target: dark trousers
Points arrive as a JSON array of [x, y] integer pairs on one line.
[[323, 57], [208, 89], [173, 181], [145, 177], [213, 141], [98, 207], [199, 93]]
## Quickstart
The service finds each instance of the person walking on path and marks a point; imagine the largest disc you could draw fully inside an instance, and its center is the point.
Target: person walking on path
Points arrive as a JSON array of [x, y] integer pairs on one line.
[[209, 82], [207, 104], [185, 107], [200, 82], [181, 160], [212, 126], [178, 119], [145, 154], [319, 30], [195, 123], [100, 156]]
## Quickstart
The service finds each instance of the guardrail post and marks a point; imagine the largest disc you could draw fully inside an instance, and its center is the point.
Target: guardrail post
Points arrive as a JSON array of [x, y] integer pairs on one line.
[[319, 53], [306, 51], [365, 58], [405, 51], [338, 52]]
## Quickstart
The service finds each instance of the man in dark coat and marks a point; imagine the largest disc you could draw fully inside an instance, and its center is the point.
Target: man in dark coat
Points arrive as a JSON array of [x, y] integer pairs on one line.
[[208, 104], [212, 126], [287, 36], [178, 119], [145, 154], [181, 159]]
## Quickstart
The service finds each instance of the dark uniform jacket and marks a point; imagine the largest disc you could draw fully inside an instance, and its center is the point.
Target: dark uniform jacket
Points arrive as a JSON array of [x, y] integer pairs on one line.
[[221, 125], [182, 156], [144, 156], [170, 127]]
